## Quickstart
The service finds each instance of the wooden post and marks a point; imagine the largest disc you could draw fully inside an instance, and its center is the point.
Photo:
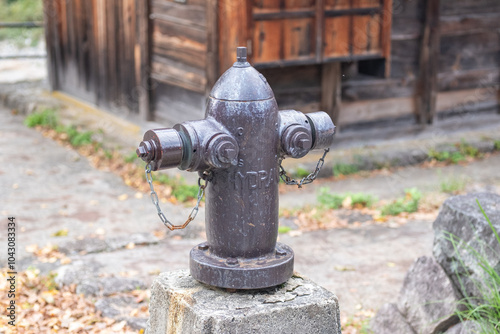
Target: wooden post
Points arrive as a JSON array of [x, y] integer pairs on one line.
[[50, 12], [142, 59], [331, 89], [212, 68], [429, 57]]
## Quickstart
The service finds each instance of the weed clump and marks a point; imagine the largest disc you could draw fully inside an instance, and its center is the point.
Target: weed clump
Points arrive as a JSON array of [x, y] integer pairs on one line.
[[344, 169], [408, 203], [335, 201]]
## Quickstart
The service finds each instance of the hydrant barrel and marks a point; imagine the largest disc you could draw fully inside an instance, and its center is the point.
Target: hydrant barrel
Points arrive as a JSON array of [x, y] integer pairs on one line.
[[237, 149]]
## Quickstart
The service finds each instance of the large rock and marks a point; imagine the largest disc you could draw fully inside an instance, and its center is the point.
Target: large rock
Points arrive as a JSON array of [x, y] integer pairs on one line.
[[466, 327], [461, 217], [428, 299], [389, 320], [180, 304]]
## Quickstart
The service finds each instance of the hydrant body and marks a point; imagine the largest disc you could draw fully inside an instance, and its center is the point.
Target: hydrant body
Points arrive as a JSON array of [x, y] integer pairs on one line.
[[237, 149]]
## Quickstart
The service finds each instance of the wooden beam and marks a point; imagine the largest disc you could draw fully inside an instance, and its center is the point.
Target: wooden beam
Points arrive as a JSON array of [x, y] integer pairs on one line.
[[142, 59], [386, 35], [429, 58], [49, 9], [212, 69], [331, 89]]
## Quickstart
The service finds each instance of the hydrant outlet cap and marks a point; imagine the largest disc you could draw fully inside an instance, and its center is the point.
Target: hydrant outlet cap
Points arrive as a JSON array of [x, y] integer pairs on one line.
[[242, 82]]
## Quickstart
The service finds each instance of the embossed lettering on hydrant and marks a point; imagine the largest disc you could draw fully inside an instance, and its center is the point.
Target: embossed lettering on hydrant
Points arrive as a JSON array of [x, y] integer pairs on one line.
[[253, 180]]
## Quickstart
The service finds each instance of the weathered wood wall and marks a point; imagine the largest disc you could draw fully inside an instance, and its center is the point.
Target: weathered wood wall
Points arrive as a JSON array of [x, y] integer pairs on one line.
[[97, 51], [468, 66], [119, 53]]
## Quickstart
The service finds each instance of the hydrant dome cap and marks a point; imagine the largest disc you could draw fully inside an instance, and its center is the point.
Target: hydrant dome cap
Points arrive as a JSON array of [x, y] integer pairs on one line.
[[242, 82]]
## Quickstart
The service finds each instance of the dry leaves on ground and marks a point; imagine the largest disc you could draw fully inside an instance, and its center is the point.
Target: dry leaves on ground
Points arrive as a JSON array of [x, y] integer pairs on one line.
[[44, 308]]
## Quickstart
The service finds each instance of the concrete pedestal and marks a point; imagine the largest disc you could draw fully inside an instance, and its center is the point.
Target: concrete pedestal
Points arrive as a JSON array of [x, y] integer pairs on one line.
[[180, 304]]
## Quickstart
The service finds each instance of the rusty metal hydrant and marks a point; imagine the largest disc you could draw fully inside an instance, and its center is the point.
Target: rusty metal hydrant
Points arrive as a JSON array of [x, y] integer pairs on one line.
[[237, 149]]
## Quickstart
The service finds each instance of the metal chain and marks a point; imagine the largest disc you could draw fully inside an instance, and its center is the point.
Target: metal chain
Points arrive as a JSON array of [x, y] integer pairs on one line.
[[156, 202], [306, 179]]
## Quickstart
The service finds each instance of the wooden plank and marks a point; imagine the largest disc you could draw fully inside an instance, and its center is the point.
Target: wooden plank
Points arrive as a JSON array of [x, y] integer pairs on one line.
[[267, 42], [298, 39], [467, 100], [465, 61], [337, 4], [365, 111], [331, 90], [427, 81], [469, 24], [169, 11], [459, 80], [471, 43], [48, 7], [100, 12], [366, 37], [142, 59], [320, 31], [376, 89], [336, 37], [459, 7], [181, 49], [178, 74], [179, 29], [234, 29], [212, 63], [385, 39]]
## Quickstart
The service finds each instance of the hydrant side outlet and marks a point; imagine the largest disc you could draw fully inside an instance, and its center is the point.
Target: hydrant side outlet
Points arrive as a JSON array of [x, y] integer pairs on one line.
[[239, 146]]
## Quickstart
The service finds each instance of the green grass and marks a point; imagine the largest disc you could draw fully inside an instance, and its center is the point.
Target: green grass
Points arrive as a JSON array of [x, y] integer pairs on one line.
[[408, 203], [301, 172], [181, 191], [344, 169], [446, 156], [284, 229], [184, 192], [77, 138], [453, 184], [46, 118], [485, 308], [21, 11], [496, 145], [131, 157], [334, 201]]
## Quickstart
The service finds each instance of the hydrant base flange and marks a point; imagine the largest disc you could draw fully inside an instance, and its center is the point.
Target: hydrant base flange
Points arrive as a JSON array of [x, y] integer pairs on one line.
[[242, 273]]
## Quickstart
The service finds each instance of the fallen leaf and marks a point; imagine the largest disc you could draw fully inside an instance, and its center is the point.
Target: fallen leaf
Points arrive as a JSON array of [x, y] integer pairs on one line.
[[60, 233], [122, 197], [344, 268]]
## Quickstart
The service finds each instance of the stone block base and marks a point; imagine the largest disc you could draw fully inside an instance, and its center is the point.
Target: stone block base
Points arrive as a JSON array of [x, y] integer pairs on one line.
[[180, 304]]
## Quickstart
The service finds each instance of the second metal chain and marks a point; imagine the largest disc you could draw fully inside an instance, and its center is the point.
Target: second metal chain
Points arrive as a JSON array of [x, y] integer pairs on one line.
[[156, 202], [306, 179]]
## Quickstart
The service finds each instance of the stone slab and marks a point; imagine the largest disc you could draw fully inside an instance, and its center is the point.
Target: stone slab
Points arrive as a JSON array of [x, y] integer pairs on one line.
[[389, 320], [460, 216], [428, 299], [466, 327], [180, 304]]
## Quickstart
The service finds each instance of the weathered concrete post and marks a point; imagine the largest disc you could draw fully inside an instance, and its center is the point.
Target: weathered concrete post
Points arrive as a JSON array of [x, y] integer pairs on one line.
[[237, 150], [181, 305]]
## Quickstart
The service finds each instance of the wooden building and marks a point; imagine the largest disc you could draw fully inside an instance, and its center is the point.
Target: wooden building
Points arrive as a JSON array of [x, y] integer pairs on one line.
[[362, 61]]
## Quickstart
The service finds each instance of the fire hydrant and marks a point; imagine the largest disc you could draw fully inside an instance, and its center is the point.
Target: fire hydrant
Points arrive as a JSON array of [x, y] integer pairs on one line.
[[237, 150]]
